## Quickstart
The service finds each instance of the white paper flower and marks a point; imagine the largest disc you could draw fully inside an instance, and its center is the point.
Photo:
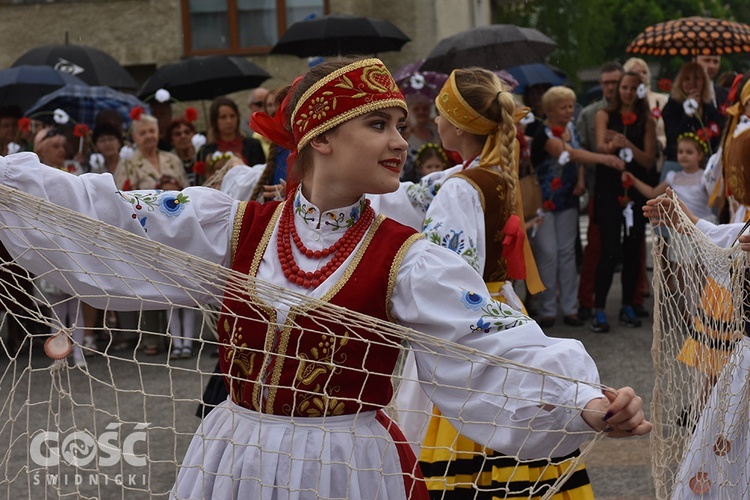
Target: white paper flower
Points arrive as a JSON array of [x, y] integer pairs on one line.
[[96, 161], [13, 148], [162, 95], [690, 106], [626, 155], [198, 141], [528, 119], [126, 152], [416, 81], [60, 116], [217, 154], [641, 91], [564, 158]]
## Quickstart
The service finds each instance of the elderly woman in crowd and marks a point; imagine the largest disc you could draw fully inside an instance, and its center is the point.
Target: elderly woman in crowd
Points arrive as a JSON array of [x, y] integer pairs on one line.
[[180, 133], [558, 161], [150, 168], [108, 142]]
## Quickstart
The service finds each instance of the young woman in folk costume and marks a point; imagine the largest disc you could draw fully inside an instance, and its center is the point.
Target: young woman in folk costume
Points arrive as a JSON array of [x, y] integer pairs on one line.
[[735, 152], [281, 435], [473, 214]]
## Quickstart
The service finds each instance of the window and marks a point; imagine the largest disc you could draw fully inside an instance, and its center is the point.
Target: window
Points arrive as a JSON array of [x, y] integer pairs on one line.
[[241, 26]]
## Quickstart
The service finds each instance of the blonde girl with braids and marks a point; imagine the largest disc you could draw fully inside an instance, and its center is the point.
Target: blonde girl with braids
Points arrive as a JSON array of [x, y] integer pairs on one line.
[[282, 434], [474, 215]]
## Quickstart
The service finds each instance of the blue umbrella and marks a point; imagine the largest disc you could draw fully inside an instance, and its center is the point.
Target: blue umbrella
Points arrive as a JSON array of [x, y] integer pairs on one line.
[[83, 103], [23, 85], [535, 74]]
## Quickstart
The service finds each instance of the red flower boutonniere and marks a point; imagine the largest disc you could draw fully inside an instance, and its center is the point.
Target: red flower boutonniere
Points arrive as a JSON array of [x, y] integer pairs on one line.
[[24, 124], [557, 131], [81, 130], [549, 205], [136, 113], [199, 168], [723, 109], [127, 186], [556, 184], [656, 113], [629, 118], [665, 84], [702, 135], [191, 114], [624, 199]]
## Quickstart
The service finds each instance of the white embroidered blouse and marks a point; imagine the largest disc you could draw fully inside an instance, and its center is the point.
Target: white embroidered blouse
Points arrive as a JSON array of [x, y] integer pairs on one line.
[[434, 293]]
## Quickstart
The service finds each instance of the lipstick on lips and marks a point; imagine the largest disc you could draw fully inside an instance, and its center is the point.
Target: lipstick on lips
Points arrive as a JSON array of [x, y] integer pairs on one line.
[[392, 164]]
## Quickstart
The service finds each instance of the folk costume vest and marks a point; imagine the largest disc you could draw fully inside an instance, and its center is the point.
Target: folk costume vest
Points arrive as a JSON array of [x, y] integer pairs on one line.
[[295, 369], [492, 193]]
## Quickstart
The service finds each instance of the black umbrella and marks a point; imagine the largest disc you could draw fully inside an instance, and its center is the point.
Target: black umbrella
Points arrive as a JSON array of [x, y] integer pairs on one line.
[[23, 85], [494, 47], [339, 34], [205, 77], [87, 63]]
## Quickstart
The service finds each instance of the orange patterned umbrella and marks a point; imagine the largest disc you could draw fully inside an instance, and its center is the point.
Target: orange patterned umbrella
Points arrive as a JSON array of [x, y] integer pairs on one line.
[[692, 36]]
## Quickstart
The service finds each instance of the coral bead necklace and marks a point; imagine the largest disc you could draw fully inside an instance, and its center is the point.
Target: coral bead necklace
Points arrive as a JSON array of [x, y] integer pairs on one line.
[[340, 250]]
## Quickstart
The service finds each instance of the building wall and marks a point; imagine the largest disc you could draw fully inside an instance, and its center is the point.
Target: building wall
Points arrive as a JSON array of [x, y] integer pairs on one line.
[[135, 32], [145, 34]]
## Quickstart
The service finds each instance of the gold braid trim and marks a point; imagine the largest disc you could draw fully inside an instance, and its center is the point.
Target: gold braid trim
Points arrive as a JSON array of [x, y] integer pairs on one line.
[[236, 229], [395, 267]]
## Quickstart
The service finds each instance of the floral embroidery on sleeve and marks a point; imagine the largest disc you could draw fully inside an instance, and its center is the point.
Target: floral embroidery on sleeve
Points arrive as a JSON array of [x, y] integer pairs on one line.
[[454, 241], [170, 203], [421, 194], [494, 314]]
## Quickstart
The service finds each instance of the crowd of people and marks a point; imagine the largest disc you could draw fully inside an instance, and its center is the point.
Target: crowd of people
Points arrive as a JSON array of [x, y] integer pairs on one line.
[[430, 265], [447, 167]]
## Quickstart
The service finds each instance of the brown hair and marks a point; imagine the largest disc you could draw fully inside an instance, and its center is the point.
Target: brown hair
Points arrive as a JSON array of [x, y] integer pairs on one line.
[[213, 116], [696, 69], [490, 97]]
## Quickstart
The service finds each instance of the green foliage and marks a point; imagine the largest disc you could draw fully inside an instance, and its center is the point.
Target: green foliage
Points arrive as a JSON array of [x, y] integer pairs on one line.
[[590, 32]]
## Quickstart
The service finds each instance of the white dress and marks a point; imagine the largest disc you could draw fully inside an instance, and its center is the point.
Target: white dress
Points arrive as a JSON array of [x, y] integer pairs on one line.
[[716, 464], [435, 292]]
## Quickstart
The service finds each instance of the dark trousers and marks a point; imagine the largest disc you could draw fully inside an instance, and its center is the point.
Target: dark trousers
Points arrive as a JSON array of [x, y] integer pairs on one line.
[[616, 247]]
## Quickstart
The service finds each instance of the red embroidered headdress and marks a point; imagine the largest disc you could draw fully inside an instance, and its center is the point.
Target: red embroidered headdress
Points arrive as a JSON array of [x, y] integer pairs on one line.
[[348, 92]]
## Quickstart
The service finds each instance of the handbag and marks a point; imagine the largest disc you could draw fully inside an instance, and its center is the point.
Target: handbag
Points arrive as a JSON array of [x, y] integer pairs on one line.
[[531, 194]]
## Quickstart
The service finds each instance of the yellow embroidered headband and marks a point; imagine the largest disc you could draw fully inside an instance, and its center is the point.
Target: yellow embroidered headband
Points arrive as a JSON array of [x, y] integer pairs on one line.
[[452, 106], [346, 93]]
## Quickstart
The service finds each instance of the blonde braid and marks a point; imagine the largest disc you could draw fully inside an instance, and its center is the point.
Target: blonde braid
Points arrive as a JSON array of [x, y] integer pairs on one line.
[[507, 144], [491, 97]]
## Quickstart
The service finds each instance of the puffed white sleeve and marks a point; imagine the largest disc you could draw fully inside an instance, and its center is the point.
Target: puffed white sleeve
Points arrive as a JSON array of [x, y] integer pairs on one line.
[[721, 235], [410, 202], [240, 181], [78, 256], [455, 220], [514, 410]]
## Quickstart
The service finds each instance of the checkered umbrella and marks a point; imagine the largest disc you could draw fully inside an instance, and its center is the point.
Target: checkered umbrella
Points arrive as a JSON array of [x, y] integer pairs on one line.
[[692, 36], [83, 103]]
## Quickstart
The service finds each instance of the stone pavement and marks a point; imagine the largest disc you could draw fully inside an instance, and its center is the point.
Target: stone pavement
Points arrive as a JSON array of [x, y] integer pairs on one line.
[[620, 469]]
